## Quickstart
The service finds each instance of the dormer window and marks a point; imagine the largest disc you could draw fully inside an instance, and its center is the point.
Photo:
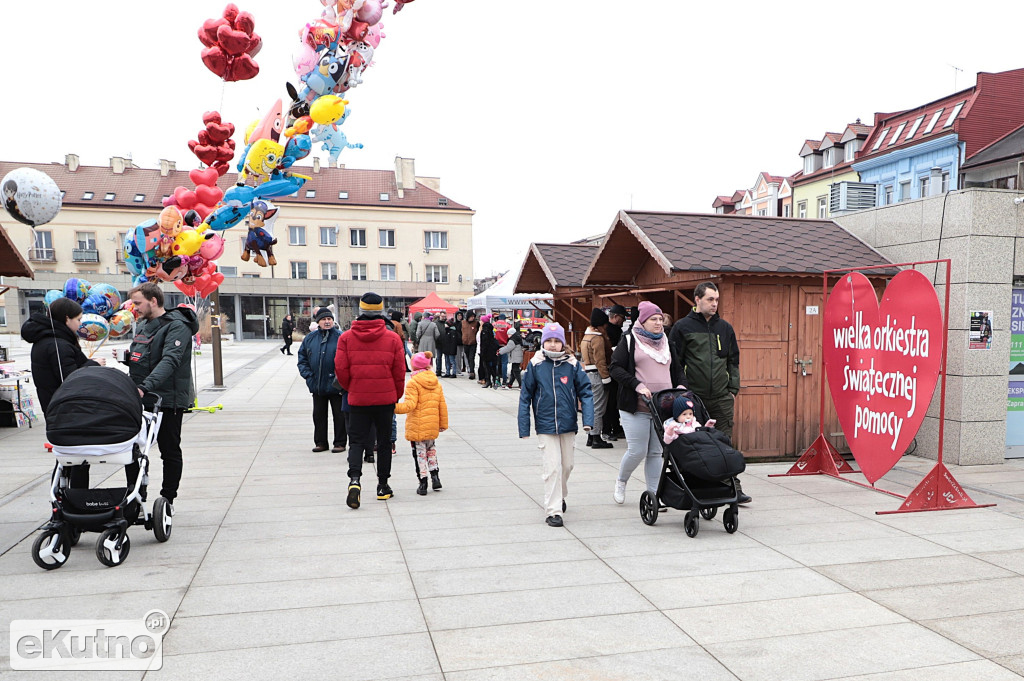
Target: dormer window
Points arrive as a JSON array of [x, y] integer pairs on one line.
[[811, 163], [109, 196], [310, 193], [830, 157], [87, 196], [384, 196], [139, 198], [851, 149], [342, 195]]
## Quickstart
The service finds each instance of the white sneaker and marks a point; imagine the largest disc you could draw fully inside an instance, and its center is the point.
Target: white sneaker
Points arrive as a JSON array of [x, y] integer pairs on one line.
[[620, 492]]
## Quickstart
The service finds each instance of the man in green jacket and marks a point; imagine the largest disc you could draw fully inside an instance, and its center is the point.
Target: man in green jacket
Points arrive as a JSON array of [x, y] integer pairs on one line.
[[706, 345], [159, 361]]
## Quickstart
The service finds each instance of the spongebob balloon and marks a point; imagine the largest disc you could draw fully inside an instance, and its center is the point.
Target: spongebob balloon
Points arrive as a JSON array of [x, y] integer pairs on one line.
[[262, 160]]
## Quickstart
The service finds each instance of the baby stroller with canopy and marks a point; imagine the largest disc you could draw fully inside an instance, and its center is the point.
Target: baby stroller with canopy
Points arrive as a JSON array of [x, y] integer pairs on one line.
[[698, 471], [97, 416]]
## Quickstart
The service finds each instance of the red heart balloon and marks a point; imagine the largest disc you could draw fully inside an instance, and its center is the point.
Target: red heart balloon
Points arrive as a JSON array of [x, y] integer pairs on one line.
[[203, 209], [882, 363], [219, 132], [205, 153], [204, 177], [211, 117], [209, 195], [169, 201], [187, 289], [242, 67], [221, 167], [204, 137], [231, 41], [185, 198], [215, 60], [208, 31], [231, 144], [225, 153], [244, 22], [255, 45], [231, 12]]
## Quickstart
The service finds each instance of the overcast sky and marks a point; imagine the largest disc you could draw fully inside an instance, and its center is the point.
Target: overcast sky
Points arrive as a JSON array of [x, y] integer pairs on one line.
[[545, 117]]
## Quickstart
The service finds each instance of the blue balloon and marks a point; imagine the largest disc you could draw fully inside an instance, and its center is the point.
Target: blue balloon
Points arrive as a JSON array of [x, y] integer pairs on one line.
[[97, 304], [227, 216], [280, 187], [76, 289], [240, 193], [52, 295]]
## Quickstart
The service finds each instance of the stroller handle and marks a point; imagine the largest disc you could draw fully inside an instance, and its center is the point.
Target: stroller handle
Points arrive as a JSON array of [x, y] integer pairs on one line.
[[156, 402]]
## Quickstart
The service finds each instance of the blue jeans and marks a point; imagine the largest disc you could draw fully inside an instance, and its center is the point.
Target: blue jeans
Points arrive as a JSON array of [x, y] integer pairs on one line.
[[450, 368], [503, 359]]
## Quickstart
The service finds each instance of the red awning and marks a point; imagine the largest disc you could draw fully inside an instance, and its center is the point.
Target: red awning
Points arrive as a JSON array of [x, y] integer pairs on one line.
[[432, 303]]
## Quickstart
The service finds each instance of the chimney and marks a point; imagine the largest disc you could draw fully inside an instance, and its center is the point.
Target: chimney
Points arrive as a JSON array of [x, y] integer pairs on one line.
[[119, 164], [166, 167], [71, 160], [316, 164], [405, 174], [341, 166]]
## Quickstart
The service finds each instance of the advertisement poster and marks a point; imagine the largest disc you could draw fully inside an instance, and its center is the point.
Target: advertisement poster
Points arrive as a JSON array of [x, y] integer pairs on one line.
[[1015, 393], [980, 335]]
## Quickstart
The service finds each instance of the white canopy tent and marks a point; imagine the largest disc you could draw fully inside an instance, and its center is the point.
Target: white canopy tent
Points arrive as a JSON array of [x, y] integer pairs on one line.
[[500, 297]]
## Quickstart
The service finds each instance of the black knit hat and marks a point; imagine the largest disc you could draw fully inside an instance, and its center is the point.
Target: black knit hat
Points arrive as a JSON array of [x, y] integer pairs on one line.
[[617, 309], [396, 316], [323, 313], [598, 318], [371, 304]]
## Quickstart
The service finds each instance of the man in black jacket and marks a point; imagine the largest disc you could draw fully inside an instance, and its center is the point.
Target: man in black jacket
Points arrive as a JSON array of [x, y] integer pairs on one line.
[[287, 327], [159, 361], [706, 345], [611, 429]]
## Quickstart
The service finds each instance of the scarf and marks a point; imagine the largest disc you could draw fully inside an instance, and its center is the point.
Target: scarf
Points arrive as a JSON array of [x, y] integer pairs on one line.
[[556, 356], [655, 345]]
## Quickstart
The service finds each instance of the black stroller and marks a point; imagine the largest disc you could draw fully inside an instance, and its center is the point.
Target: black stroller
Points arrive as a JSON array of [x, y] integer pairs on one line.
[[96, 416], [698, 469]]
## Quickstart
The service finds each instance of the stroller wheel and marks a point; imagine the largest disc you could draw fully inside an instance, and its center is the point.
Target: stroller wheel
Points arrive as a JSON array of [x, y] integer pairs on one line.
[[106, 547], [731, 520], [648, 508], [50, 550], [692, 523], [708, 513], [162, 515], [74, 535]]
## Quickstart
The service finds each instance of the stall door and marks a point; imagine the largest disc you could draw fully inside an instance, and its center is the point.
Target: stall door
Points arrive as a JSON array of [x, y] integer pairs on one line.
[[808, 373], [760, 316]]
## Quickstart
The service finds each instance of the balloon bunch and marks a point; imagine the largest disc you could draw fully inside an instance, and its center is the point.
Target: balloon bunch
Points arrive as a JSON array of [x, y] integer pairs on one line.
[[104, 315], [214, 147], [230, 45], [30, 196]]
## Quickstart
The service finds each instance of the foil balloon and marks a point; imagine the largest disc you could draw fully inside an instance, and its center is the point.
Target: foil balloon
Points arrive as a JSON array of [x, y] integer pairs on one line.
[[52, 295], [76, 289], [30, 196], [94, 332], [120, 323], [110, 293], [97, 305]]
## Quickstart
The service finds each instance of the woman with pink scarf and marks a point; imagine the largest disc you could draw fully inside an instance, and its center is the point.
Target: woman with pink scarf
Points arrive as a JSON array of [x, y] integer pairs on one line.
[[642, 364]]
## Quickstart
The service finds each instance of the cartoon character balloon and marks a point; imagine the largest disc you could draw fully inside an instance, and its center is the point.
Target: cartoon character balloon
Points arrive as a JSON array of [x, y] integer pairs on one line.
[[94, 331], [76, 289], [30, 196]]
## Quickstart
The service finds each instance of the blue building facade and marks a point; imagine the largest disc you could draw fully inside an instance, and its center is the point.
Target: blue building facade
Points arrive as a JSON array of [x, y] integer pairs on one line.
[[914, 172]]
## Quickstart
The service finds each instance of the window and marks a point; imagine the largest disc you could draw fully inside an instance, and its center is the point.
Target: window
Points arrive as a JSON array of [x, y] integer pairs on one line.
[[250, 276], [945, 182], [896, 135], [953, 114], [3, 314], [830, 157], [442, 201], [881, 138], [822, 207], [328, 270], [851, 149], [86, 240], [388, 273], [384, 196], [435, 240], [228, 271], [310, 193], [328, 236], [808, 164], [386, 238], [357, 238], [298, 270], [296, 236], [87, 196], [437, 274], [931, 123], [905, 191], [801, 209], [44, 238], [887, 195], [922, 186], [787, 210], [914, 127], [109, 196], [139, 198], [762, 211], [358, 271], [342, 195]]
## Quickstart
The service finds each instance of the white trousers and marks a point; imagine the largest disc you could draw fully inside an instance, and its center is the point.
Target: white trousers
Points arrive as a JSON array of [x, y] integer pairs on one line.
[[557, 461]]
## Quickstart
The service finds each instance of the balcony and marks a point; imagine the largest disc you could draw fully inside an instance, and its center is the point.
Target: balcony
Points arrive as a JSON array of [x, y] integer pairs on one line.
[[119, 256], [42, 255], [85, 255]]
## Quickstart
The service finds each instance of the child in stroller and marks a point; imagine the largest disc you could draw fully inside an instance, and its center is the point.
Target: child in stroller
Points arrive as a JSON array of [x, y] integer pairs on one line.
[[97, 416], [698, 469]]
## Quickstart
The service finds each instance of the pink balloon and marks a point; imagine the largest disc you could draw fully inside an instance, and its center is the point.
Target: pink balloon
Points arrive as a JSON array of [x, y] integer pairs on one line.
[[304, 59]]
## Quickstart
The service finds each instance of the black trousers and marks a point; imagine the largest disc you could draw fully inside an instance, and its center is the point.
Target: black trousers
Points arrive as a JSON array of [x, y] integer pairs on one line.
[[288, 344], [169, 441], [515, 374], [611, 408], [361, 420], [470, 351], [320, 403]]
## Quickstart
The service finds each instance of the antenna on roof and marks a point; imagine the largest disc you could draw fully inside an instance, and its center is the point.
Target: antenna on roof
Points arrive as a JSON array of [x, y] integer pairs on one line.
[[955, 70]]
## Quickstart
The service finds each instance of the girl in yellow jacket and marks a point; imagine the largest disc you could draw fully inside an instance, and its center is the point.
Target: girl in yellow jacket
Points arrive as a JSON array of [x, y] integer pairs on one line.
[[428, 417]]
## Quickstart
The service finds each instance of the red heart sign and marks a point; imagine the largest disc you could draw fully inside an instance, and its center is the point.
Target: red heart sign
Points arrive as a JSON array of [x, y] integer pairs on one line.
[[882, 363]]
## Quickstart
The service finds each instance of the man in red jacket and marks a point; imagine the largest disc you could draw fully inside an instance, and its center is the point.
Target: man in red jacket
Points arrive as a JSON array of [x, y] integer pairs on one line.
[[370, 366]]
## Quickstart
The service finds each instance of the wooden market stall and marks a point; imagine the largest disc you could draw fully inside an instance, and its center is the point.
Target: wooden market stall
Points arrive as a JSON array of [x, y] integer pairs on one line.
[[769, 275]]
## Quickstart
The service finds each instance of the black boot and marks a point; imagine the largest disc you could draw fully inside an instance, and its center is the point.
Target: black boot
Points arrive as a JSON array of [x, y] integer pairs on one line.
[[422, 489], [353, 492], [590, 440], [599, 443], [435, 480]]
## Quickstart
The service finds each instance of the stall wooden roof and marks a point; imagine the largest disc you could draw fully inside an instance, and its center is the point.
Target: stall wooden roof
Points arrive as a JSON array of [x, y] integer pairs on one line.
[[12, 263], [680, 242], [550, 266]]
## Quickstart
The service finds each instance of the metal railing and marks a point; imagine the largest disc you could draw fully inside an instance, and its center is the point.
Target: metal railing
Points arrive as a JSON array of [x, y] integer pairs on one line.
[[42, 255], [119, 256], [85, 255]]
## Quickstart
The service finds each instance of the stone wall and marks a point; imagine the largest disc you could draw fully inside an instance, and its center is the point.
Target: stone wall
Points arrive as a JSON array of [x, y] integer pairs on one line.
[[982, 232]]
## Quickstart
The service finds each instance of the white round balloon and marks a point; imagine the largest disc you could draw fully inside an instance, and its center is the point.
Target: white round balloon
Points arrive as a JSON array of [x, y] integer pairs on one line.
[[30, 196]]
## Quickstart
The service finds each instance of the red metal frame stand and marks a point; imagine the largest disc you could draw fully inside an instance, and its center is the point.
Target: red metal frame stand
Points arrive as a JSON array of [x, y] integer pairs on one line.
[[939, 490]]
